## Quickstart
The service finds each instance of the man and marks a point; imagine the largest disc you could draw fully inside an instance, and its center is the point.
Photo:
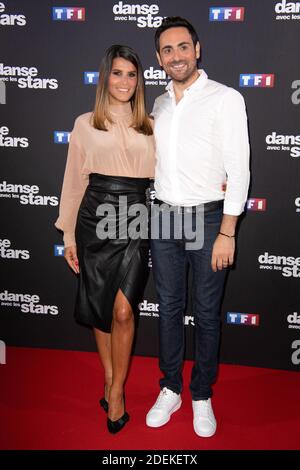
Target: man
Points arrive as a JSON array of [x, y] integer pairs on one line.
[[202, 144]]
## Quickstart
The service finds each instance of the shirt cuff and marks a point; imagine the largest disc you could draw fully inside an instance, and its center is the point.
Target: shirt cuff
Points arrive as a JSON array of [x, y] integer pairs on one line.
[[233, 208]]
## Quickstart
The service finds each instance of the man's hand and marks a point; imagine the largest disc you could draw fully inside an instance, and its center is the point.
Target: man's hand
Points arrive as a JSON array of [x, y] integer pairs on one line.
[[222, 253], [71, 258]]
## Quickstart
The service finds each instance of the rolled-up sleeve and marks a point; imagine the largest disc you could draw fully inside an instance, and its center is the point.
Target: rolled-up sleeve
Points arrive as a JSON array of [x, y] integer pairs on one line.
[[235, 150], [73, 188]]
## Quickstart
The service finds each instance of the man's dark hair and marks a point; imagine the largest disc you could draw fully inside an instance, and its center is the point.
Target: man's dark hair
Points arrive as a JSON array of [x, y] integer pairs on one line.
[[175, 22]]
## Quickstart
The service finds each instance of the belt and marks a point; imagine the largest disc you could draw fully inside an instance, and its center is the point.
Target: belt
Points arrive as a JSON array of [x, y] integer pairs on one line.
[[207, 206]]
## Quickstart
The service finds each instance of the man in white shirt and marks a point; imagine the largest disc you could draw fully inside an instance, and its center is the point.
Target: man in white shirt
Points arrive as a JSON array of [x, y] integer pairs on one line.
[[200, 128]]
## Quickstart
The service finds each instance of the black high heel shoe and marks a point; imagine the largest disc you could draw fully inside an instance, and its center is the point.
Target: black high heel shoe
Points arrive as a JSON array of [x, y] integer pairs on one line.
[[116, 426], [104, 404]]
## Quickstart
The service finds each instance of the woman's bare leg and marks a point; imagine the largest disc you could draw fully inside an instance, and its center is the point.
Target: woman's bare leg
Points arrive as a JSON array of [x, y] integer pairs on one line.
[[103, 341], [122, 334]]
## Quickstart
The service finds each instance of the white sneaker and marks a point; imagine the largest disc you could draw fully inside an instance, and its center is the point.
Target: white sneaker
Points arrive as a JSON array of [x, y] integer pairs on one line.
[[204, 422], [167, 403]]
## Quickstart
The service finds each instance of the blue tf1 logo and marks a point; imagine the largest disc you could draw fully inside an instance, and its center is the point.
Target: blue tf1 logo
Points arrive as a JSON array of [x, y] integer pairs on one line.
[[61, 137], [91, 78], [59, 250]]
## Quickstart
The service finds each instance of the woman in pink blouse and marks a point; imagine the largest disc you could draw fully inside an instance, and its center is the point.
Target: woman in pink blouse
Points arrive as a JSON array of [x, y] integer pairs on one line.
[[110, 159]]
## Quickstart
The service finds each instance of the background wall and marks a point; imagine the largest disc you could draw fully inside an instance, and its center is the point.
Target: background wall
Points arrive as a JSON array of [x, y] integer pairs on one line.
[[45, 54]]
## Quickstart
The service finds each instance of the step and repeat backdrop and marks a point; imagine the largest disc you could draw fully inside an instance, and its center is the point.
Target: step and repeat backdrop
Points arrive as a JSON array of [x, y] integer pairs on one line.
[[50, 55]]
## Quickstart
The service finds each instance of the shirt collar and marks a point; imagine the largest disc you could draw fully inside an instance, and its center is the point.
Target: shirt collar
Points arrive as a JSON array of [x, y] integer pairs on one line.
[[197, 85], [120, 110]]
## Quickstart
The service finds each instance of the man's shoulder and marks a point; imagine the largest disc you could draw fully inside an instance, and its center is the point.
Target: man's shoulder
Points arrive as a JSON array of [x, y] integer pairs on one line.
[[222, 90], [164, 98], [161, 102]]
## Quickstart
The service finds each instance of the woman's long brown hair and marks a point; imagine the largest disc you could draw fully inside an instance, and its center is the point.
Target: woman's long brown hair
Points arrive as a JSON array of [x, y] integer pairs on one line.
[[140, 119]]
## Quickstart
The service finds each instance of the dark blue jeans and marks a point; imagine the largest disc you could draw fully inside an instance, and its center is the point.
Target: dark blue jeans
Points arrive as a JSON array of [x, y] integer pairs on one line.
[[170, 259]]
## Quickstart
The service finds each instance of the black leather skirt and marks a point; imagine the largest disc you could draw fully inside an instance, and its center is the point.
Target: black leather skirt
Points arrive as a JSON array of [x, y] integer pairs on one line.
[[110, 263]]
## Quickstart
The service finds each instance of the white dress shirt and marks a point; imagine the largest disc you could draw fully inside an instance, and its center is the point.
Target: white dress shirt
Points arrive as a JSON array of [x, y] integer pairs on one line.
[[202, 143]]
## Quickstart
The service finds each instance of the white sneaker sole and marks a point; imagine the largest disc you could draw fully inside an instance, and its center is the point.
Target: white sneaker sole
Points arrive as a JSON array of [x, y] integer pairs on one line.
[[162, 423], [208, 434]]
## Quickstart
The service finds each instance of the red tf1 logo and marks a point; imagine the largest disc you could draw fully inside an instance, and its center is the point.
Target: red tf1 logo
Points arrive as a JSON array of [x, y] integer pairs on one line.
[[255, 204], [249, 319], [68, 14]]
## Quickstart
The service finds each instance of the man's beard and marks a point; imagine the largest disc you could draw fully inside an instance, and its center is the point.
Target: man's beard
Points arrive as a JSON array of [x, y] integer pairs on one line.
[[185, 78]]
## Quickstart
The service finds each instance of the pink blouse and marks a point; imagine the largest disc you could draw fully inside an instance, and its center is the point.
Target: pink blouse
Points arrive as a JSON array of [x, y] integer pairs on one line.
[[121, 151]]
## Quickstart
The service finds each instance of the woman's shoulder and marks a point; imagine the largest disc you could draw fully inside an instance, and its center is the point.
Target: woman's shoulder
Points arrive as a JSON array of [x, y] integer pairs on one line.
[[83, 119], [80, 127], [151, 120]]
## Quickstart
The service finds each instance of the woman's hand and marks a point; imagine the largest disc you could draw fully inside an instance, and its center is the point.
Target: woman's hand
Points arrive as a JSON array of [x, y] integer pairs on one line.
[[71, 258]]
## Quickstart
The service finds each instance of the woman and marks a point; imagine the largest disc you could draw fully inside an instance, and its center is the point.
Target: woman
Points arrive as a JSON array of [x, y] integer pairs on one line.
[[110, 159]]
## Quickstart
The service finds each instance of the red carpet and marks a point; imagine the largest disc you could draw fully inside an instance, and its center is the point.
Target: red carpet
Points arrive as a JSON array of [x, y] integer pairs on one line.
[[49, 400]]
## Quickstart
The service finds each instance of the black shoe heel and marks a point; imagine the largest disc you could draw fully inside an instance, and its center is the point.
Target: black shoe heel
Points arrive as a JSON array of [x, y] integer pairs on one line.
[[104, 404], [116, 426]]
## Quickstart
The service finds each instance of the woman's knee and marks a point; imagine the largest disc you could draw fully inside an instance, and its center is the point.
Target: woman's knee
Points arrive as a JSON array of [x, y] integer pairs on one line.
[[122, 315]]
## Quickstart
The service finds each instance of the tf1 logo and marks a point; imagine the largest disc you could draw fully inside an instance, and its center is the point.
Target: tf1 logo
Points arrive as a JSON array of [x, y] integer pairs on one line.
[[61, 137], [90, 78], [59, 250], [255, 204], [249, 319], [68, 14], [226, 14], [257, 80]]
